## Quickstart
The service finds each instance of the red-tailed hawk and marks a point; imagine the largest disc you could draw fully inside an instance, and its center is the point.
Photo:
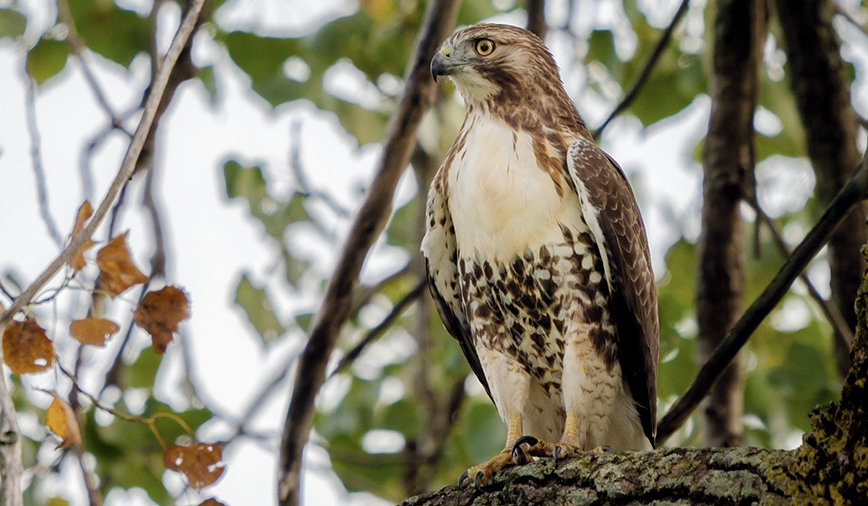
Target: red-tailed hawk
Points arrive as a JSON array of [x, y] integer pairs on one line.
[[537, 257]]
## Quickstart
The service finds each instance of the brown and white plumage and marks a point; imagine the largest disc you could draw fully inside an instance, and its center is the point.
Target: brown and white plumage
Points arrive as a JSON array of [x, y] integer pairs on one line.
[[537, 255]]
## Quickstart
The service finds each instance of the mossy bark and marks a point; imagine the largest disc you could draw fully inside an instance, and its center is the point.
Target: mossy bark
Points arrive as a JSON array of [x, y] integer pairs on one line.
[[830, 467]]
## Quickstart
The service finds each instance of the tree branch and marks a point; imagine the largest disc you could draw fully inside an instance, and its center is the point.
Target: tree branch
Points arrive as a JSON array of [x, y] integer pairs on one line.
[[38, 169], [397, 147], [830, 310], [127, 166], [855, 191], [820, 83], [536, 17], [646, 69], [11, 467], [380, 329]]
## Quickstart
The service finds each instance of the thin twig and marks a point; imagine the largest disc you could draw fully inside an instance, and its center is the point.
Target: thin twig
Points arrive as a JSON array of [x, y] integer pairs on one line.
[[849, 17], [301, 177], [829, 309], [158, 260], [646, 69], [850, 195], [380, 329], [127, 166], [38, 169], [398, 144], [79, 49]]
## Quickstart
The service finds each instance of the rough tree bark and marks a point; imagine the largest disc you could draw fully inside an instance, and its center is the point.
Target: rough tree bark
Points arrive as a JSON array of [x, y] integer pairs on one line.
[[819, 82], [728, 174], [830, 467], [11, 466]]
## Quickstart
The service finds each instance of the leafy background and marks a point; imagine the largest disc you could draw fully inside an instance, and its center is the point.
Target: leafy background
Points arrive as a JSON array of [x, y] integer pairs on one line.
[[262, 159]]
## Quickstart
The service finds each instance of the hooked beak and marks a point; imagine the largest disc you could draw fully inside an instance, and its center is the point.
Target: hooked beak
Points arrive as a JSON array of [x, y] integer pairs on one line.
[[442, 64]]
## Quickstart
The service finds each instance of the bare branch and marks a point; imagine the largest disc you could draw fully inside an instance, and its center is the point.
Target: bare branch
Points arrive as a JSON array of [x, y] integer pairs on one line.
[[536, 17], [370, 221], [301, 177], [854, 192], [79, 49], [829, 309], [38, 170], [381, 328], [646, 69], [127, 166], [11, 467]]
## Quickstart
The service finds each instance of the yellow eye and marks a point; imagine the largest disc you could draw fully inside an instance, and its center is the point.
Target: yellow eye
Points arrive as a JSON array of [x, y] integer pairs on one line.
[[484, 47]]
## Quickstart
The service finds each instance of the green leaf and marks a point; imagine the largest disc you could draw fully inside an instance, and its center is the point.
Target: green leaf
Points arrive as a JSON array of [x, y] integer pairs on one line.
[[206, 75], [403, 416], [254, 301], [485, 431], [114, 33], [12, 24], [249, 183], [46, 59], [143, 372]]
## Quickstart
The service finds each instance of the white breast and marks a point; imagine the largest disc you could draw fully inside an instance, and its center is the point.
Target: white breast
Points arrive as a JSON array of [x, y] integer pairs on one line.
[[500, 200]]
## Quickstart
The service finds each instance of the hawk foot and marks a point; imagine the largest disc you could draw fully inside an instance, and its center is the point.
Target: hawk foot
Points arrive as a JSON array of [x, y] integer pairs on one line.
[[483, 472], [526, 447]]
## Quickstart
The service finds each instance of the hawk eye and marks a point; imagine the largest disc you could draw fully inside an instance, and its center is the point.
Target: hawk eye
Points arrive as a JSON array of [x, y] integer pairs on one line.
[[484, 47]]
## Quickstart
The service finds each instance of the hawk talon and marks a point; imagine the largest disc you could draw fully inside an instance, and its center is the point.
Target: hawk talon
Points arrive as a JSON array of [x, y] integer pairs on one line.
[[464, 476], [477, 479], [607, 449], [530, 440], [555, 453]]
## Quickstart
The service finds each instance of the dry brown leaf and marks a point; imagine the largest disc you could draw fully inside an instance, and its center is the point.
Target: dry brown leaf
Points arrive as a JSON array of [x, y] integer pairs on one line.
[[116, 269], [93, 331], [61, 420], [159, 314], [26, 348], [211, 502], [84, 212], [201, 463]]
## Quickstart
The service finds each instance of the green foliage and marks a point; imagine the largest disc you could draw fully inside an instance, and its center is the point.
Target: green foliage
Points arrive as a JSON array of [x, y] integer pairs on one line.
[[255, 303], [128, 455], [12, 24], [109, 30], [47, 59], [676, 80], [276, 216]]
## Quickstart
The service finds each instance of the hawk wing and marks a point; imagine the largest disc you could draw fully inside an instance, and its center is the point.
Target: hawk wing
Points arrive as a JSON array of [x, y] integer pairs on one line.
[[441, 262], [609, 207]]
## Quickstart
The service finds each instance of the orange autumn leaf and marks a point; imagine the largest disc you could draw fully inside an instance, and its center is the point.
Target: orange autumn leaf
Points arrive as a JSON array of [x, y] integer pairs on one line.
[[93, 331], [116, 269], [159, 314], [201, 463], [84, 212], [61, 420], [211, 502], [26, 348]]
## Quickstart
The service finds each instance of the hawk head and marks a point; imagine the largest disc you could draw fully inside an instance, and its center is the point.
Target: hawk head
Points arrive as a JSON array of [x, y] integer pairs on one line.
[[507, 71], [488, 60]]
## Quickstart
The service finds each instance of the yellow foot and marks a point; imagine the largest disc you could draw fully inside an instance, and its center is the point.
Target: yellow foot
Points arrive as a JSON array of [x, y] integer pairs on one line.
[[526, 447], [481, 473]]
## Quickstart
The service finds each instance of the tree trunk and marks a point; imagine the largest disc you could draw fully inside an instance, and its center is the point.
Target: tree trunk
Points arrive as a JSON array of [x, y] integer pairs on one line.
[[819, 82], [728, 174], [829, 468], [11, 467]]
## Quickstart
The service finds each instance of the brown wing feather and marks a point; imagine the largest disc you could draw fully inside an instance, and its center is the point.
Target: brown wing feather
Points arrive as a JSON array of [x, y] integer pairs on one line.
[[459, 330], [633, 291], [440, 250]]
